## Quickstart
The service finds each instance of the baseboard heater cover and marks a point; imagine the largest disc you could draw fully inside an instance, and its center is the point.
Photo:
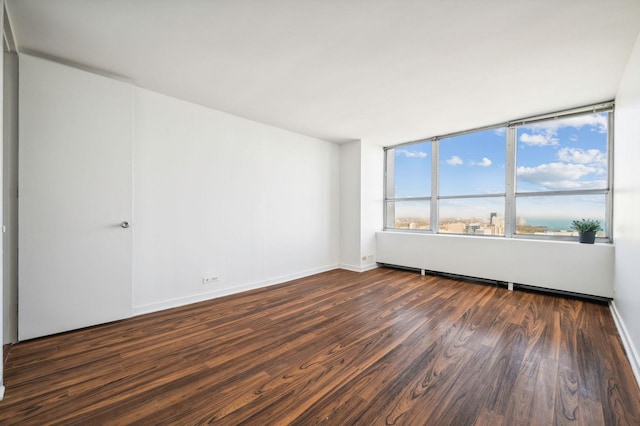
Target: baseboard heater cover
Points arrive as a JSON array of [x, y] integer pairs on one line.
[[532, 288], [445, 274], [585, 269], [568, 294]]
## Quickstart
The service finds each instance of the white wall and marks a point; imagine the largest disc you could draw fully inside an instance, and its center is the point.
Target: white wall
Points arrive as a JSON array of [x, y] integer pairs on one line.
[[350, 206], [10, 199], [361, 201], [2, 315], [217, 195], [371, 201], [626, 209]]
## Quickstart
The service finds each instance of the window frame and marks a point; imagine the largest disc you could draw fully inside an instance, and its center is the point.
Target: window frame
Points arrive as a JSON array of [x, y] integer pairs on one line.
[[394, 199], [510, 195]]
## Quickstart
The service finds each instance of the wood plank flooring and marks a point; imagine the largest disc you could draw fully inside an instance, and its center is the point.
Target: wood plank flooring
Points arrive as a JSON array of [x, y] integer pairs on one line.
[[339, 348]]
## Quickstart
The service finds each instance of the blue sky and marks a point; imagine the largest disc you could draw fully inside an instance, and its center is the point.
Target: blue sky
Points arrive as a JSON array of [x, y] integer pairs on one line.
[[473, 164], [563, 154], [413, 170]]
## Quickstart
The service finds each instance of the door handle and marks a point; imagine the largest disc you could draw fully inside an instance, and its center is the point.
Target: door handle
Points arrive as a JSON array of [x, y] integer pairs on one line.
[[124, 224]]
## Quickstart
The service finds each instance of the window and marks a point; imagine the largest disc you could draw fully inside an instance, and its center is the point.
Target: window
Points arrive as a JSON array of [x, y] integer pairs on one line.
[[408, 186], [528, 178], [562, 174], [472, 183]]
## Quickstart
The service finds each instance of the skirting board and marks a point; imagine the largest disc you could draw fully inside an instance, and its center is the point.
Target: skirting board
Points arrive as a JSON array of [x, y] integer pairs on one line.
[[201, 297], [355, 268], [632, 355]]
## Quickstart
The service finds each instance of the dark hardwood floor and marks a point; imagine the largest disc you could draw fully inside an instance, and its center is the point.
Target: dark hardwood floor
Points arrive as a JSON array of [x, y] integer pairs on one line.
[[339, 348]]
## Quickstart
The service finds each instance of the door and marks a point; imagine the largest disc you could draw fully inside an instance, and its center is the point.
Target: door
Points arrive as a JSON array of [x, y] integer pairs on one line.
[[75, 198]]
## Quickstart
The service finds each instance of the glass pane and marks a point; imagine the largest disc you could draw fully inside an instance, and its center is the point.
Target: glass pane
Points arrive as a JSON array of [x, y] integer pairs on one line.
[[553, 215], [564, 154], [409, 171], [473, 164], [477, 216], [412, 214]]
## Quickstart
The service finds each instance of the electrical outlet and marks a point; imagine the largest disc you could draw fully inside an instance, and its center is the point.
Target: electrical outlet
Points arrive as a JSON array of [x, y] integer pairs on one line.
[[209, 280]]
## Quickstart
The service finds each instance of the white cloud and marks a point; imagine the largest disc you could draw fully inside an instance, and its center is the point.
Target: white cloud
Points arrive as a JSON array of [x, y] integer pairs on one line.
[[559, 176], [500, 131], [454, 161], [598, 121], [539, 139], [546, 133], [484, 163], [411, 154], [593, 157]]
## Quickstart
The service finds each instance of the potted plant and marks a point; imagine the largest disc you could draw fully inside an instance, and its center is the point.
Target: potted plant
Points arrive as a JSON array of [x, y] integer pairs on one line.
[[587, 229]]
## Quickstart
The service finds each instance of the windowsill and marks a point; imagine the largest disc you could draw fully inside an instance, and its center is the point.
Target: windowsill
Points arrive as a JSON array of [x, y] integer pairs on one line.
[[546, 239]]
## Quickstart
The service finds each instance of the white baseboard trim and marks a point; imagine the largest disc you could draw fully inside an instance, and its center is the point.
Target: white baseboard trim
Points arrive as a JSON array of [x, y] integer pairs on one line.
[[201, 297], [632, 354], [370, 267], [355, 268], [1, 393]]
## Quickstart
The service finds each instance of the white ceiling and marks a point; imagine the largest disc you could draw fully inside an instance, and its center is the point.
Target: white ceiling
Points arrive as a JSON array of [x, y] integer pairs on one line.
[[384, 71]]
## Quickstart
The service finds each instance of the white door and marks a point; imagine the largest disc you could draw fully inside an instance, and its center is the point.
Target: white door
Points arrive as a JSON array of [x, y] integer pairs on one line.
[[75, 195]]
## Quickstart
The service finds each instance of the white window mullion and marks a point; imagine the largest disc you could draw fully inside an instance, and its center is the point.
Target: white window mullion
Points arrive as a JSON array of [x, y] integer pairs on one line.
[[389, 187], [609, 200], [510, 189], [435, 158]]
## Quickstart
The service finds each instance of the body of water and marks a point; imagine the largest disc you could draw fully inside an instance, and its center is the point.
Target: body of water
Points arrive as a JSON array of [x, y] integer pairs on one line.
[[554, 224]]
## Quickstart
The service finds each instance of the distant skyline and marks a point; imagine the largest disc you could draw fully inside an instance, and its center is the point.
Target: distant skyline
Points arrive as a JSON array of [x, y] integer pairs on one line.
[[555, 155]]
